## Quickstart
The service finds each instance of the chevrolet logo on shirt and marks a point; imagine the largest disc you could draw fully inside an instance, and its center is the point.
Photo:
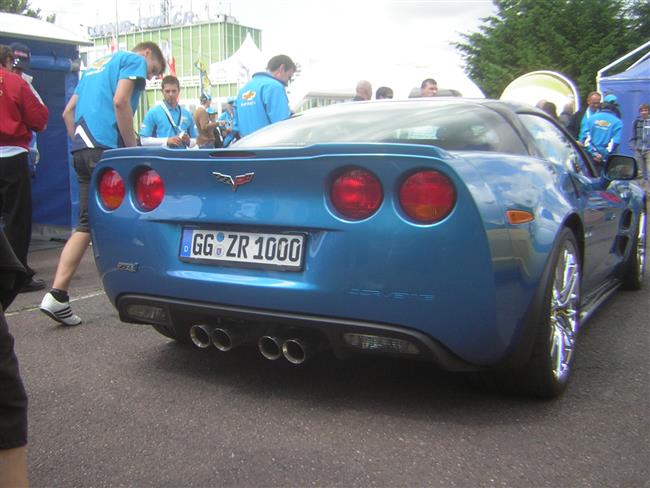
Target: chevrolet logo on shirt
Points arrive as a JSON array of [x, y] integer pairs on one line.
[[249, 95]]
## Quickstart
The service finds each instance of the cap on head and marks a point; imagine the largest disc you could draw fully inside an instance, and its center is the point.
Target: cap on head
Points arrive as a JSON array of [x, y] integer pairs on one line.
[[611, 98], [204, 98], [22, 55], [231, 100]]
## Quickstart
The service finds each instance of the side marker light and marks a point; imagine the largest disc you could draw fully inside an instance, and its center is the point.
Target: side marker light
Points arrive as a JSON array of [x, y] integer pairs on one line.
[[516, 217]]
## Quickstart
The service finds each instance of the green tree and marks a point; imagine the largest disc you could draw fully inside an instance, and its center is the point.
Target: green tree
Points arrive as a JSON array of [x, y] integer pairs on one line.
[[573, 37], [23, 7]]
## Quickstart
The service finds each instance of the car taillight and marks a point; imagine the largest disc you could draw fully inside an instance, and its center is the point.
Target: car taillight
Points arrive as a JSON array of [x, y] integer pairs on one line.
[[149, 190], [356, 194], [427, 196], [111, 189]]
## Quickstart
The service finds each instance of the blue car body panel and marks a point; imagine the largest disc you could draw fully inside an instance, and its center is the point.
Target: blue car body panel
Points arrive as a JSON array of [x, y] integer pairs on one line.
[[467, 282]]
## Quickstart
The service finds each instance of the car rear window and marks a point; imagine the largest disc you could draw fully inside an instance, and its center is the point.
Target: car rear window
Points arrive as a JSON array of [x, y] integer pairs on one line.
[[451, 126]]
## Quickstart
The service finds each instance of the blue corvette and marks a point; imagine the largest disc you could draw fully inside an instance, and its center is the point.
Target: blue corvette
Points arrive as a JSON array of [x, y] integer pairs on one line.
[[471, 233]]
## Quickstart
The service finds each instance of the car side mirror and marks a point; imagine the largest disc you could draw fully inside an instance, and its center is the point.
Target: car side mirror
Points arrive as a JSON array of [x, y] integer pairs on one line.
[[619, 167]]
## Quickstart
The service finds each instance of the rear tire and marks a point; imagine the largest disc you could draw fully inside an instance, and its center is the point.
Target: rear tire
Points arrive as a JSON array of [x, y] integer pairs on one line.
[[549, 368], [547, 371], [635, 263]]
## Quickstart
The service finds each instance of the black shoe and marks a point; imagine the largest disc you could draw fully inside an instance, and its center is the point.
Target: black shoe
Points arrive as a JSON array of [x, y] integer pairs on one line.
[[32, 285]]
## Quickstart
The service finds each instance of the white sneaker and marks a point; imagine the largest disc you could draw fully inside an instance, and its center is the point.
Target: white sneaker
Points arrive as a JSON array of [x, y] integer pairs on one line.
[[59, 311]]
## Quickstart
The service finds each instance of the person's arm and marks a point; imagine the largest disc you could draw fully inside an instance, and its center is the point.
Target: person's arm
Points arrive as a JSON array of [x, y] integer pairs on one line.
[[276, 103], [69, 115], [202, 119], [123, 111], [192, 132], [33, 112], [633, 138], [616, 136], [584, 128], [153, 141]]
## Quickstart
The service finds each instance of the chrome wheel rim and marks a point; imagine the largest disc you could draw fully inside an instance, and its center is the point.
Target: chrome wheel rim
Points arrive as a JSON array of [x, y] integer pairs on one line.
[[565, 310], [640, 245]]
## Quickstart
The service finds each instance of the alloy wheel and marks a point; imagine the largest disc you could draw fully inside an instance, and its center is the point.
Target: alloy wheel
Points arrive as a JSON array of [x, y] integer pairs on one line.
[[640, 245], [565, 310]]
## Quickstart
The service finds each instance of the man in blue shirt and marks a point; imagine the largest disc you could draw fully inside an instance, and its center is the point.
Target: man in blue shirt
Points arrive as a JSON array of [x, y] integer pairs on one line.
[[167, 123], [263, 100], [99, 116], [582, 117], [604, 131]]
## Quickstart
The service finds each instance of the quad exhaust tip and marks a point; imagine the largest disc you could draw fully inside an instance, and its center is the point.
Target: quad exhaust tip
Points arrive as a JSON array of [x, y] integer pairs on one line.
[[201, 335], [294, 351], [270, 347], [223, 340]]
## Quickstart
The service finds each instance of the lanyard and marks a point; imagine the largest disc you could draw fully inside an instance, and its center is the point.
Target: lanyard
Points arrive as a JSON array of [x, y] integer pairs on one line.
[[175, 126]]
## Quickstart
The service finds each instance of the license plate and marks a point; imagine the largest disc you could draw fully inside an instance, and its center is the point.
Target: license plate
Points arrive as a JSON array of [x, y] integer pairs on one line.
[[280, 251]]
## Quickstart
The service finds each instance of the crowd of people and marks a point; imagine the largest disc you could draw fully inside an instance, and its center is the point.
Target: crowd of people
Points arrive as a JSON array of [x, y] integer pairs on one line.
[[99, 116], [363, 91]]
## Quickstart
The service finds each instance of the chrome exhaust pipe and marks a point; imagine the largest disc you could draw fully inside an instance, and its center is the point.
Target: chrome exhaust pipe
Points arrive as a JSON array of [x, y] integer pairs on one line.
[[201, 335], [270, 347], [225, 340], [295, 350]]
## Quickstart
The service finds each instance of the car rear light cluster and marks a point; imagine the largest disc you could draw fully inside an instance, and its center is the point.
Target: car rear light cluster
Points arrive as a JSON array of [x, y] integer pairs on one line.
[[426, 196], [111, 189], [149, 189], [356, 194]]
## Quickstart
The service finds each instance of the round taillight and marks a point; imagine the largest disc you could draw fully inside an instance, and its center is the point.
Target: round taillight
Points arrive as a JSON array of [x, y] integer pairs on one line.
[[111, 189], [356, 194], [149, 190], [427, 196]]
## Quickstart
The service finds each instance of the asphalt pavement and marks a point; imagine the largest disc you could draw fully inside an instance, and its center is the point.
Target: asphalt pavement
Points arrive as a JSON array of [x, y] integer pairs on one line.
[[115, 404]]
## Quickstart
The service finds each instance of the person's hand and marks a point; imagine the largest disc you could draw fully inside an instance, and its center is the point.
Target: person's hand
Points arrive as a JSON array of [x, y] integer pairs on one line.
[[176, 141], [597, 157], [185, 139]]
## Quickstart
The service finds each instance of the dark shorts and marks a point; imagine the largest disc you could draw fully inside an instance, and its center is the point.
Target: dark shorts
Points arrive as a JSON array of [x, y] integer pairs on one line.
[[85, 161]]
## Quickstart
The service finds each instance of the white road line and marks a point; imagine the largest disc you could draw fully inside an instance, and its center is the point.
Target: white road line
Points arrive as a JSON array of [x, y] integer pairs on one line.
[[35, 307]]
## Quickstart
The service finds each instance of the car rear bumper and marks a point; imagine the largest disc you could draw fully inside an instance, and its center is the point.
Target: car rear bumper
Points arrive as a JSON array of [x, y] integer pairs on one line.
[[331, 332]]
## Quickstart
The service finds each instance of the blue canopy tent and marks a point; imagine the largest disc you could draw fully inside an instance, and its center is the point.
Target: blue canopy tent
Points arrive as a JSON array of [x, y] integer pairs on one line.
[[55, 68], [631, 87]]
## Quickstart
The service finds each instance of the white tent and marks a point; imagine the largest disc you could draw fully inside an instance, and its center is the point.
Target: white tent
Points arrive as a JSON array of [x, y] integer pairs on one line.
[[239, 67]]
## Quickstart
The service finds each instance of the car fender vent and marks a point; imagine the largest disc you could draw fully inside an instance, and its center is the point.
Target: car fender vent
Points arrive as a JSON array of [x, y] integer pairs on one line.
[[627, 220]]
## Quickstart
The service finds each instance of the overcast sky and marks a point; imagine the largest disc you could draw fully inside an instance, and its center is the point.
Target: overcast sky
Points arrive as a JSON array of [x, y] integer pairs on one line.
[[353, 37]]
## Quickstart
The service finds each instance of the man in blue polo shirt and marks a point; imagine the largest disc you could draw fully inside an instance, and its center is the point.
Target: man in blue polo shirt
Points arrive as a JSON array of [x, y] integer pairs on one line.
[[263, 100], [167, 123], [99, 116]]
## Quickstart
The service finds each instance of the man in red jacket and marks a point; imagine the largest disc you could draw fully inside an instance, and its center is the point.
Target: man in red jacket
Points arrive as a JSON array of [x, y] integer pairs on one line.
[[22, 113]]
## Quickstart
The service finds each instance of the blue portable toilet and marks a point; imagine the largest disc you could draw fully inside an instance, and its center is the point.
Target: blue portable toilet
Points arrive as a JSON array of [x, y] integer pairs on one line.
[[55, 67], [631, 87]]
